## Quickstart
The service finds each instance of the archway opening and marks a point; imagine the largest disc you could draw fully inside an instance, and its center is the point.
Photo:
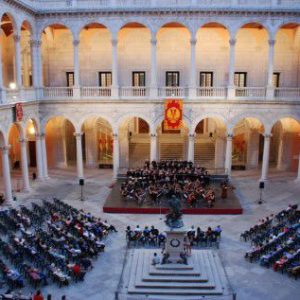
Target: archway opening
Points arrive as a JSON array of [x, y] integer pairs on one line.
[[210, 144], [26, 55], [285, 145], [173, 144], [247, 144], [97, 143], [251, 57], [60, 143], [173, 57], [287, 45], [8, 52], [57, 56], [95, 56], [134, 142], [212, 56]]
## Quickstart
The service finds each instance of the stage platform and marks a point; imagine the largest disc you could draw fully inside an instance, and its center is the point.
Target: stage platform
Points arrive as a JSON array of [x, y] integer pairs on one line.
[[115, 204]]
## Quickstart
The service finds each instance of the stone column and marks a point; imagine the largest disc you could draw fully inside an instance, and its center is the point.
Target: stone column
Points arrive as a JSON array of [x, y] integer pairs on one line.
[[37, 67], [6, 174], [193, 69], [76, 88], [298, 175], [266, 154], [18, 64], [24, 162], [231, 88], [153, 83], [115, 155], [79, 157], [153, 147], [228, 156], [270, 87], [191, 148], [44, 153], [39, 156], [2, 91], [115, 76]]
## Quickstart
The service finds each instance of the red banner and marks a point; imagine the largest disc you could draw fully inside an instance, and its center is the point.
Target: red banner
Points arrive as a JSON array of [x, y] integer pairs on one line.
[[19, 112], [173, 114]]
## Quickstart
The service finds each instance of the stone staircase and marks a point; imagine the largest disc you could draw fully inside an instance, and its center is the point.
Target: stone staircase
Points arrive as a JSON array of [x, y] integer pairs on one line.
[[203, 276], [205, 154], [171, 151], [138, 154]]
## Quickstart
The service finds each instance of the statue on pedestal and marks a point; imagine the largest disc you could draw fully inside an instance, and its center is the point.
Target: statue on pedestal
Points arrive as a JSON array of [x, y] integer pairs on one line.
[[174, 217]]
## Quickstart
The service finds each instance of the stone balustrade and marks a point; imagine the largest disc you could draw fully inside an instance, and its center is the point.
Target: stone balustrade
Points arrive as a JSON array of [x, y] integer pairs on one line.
[[147, 4], [281, 95]]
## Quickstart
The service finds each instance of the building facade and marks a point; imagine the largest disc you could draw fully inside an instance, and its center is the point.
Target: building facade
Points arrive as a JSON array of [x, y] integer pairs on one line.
[[92, 77]]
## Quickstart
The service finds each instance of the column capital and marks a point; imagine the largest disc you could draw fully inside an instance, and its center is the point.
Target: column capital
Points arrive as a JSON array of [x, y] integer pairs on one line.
[[232, 42], [271, 43], [76, 43], [267, 135], [193, 41], [115, 135], [39, 136], [229, 136], [153, 41], [35, 43], [23, 141], [78, 134], [17, 38], [114, 41], [5, 149], [153, 135], [192, 135]]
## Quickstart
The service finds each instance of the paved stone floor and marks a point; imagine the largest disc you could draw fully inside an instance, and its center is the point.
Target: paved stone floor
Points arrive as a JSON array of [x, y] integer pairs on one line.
[[250, 281]]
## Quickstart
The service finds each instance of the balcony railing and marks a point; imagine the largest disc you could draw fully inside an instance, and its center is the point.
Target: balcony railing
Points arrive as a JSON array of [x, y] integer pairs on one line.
[[134, 92], [172, 92], [95, 92], [250, 92], [282, 94], [287, 93], [155, 4], [57, 92], [211, 92]]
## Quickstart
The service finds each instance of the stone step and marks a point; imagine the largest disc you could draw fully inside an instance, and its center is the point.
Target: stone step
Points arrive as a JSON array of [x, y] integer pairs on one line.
[[171, 278], [143, 260], [140, 282]]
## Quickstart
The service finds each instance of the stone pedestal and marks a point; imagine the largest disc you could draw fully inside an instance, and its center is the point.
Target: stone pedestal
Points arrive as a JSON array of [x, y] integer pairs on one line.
[[175, 243]]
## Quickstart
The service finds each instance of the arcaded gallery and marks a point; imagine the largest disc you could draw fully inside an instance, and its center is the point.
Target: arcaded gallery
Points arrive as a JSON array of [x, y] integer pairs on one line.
[[149, 149]]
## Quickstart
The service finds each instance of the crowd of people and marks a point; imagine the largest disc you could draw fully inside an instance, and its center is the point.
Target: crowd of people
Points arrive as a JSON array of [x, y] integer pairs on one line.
[[151, 236], [275, 241], [158, 180], [52, 242]]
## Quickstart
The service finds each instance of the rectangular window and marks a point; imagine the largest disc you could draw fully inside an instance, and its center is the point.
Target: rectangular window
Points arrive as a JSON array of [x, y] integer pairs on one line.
[[70, 79], [172, 78], [276, 79], [240, 79], [206, 79], [105, 79], [138, 79]]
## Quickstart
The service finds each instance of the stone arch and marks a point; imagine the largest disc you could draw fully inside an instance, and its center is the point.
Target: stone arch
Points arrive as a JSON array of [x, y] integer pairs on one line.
[[258, 22], [12, 19], [124, 118], [234, 121], [48, 118], [182, 22], [59, 22], [283, 24], [93, 22], [218, 118]]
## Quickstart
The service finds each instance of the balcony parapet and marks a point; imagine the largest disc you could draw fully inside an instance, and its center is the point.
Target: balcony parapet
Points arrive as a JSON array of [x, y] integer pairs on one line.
[[259, 94], [58, 5]]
